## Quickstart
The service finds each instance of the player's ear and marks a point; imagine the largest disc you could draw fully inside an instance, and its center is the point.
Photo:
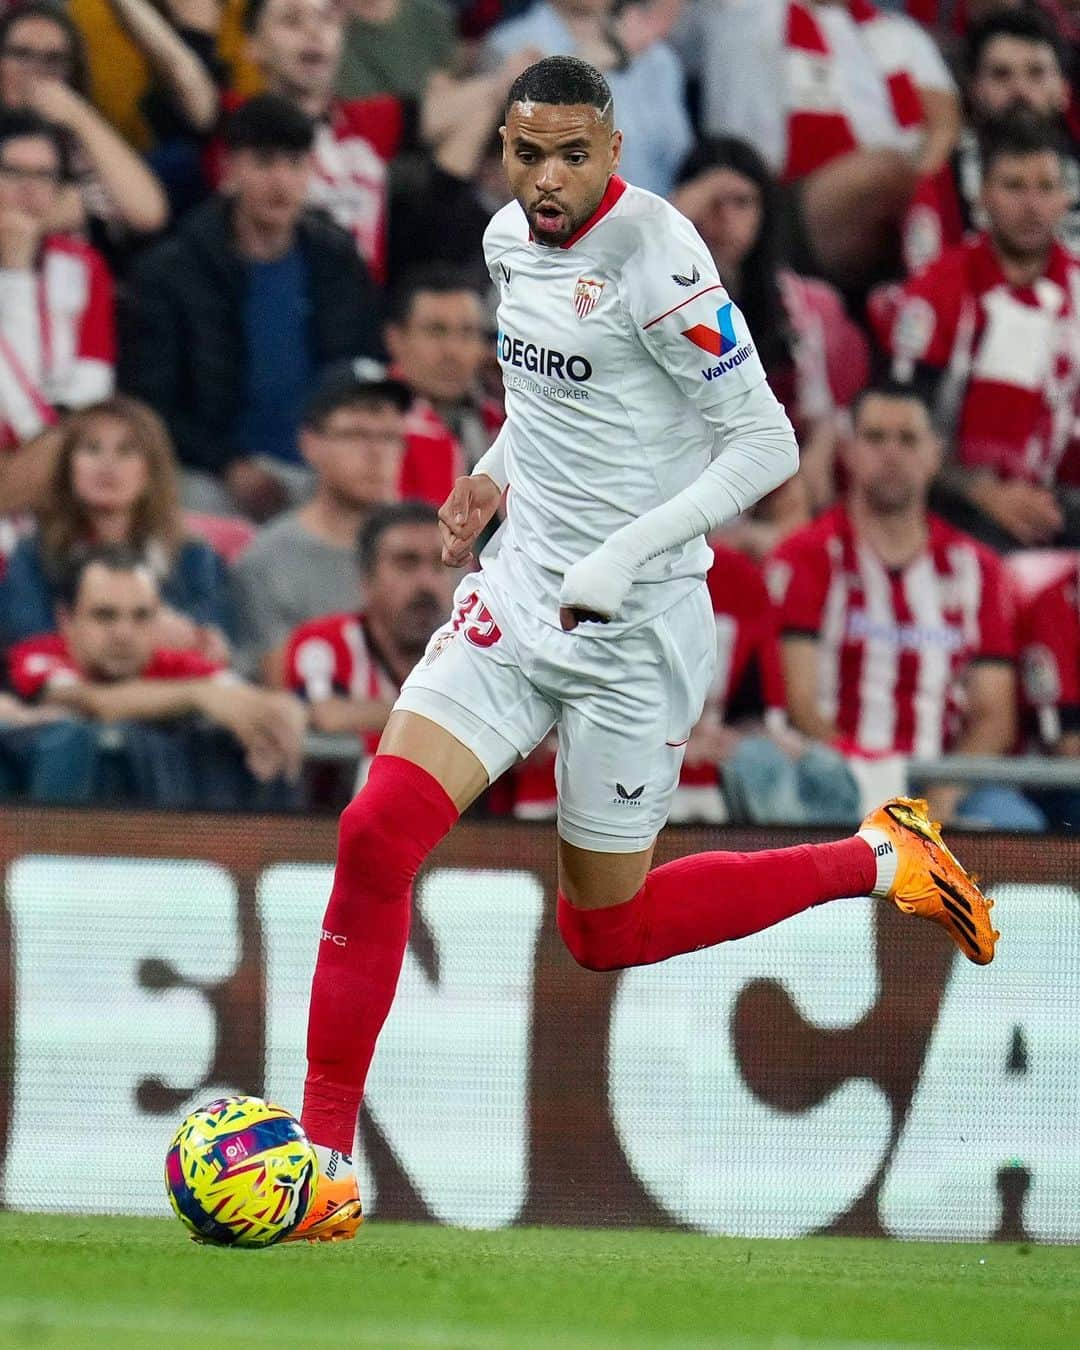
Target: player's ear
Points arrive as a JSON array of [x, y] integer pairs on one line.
[[616, 150], [502, 138]]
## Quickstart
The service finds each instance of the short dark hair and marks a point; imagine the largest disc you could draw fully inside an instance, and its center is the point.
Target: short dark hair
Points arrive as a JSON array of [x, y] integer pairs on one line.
[[892, 389], [442, 278], [385, 518], [268, 122], [19, 122], [1023, 25], [1018, 133], [79, 77], [564, 80], [115, 557]]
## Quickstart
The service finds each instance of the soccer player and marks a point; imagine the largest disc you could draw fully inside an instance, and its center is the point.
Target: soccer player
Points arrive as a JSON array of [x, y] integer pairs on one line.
[[638, 420]]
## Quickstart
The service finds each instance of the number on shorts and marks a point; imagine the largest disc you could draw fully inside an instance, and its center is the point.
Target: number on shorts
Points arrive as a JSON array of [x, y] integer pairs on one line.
[[475, 623]]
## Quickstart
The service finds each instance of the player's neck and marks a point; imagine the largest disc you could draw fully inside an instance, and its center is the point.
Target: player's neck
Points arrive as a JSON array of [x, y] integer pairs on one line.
[[332, 519], [111, 527], [897, 538]]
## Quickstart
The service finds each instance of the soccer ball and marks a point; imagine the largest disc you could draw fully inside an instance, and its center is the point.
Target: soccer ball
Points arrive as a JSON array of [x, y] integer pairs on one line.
[[240, 1172]]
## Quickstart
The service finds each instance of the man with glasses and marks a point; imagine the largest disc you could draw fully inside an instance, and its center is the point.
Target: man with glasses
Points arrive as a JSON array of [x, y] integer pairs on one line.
[[304, 564], [57, 341]]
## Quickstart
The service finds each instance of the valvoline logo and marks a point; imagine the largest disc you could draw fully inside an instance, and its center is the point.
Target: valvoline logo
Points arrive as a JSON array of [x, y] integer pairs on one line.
[[716, 343], [719, 341]]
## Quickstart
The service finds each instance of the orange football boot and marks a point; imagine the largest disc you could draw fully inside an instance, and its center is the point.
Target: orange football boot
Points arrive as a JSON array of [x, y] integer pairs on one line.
[[335, 1213], [930, 882]]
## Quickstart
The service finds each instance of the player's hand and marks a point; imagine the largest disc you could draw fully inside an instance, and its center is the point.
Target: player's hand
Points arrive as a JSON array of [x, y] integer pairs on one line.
[[594, 589], [473, 501], [1030, 513]]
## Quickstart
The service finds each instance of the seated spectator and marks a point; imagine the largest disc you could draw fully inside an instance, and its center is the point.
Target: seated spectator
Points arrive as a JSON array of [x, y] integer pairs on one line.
[[1013, 68], [350, 667], [645, 75], [57, 340], [848, 105], [1050, 674], [769, 775], [437, 335], [43, 70], [394, 46], [231, 320], [297, 46], [897, 631], [114, 482], [300, 566], [105, 667], [992, 332], [816, 359]]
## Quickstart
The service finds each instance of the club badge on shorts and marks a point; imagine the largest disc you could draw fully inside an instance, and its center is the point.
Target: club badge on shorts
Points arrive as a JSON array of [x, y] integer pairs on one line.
[[586, 296]]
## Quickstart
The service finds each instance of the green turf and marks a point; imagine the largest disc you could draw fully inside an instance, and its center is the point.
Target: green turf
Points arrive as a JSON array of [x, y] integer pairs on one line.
[[121, 1284]]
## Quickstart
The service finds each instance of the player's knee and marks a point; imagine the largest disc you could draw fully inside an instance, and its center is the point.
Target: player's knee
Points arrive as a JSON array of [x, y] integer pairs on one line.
[[371, 840], [585, 940]]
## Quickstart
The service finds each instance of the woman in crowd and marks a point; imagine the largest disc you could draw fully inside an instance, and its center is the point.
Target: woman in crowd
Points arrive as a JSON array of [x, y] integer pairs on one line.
[[115, 482], [815, 356]]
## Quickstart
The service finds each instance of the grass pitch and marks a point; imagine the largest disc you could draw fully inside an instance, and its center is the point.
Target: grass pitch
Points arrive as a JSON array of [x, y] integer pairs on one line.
[[123, 1284]]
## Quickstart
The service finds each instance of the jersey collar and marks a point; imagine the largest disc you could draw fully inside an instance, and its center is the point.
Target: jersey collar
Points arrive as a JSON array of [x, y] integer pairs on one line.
[[614, 190]]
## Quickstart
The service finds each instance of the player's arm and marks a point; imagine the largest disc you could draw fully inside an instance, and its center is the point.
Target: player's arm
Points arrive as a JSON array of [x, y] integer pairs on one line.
[[799, 658], [336, 715], [473, 501], [989, 726], [130, 700]]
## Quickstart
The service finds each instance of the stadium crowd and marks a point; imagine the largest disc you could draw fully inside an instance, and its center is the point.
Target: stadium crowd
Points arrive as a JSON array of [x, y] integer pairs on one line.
[[247, 345]]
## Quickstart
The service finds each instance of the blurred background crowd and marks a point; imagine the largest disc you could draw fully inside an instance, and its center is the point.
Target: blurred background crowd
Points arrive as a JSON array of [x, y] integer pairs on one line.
[[247, 344]]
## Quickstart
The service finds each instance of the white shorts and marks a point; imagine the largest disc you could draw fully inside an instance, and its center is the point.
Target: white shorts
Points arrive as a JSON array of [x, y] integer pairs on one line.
[[498, 679]]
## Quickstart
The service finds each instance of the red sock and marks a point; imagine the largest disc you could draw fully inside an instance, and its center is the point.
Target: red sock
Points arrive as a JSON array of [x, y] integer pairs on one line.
[[708, 898], [386, 832]]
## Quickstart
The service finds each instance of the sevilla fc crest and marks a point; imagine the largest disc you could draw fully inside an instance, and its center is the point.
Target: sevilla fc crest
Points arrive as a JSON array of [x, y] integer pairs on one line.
[[586, 296]]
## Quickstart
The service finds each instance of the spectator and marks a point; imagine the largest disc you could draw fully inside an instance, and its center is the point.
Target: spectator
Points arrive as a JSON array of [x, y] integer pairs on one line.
[[297, 46], [114, 482], [992, 328], [897, 630], [816, 359], [104, 667], [1013, 68], [301, 565], [43, 70], [394, 46], [232, 318], [57, 343], [437, 335], [645, 75], [350, 667], [1050, 671], [848, 105]]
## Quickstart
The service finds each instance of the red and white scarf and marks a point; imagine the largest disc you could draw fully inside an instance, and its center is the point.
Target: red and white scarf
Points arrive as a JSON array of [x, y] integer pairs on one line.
[[818, 126]]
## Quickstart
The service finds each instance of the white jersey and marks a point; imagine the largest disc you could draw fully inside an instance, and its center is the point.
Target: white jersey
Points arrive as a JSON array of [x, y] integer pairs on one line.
[[611, 347]]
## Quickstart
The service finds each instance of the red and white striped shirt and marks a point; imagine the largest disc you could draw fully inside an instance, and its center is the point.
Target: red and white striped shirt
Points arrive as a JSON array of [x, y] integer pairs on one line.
[[1050, 656], [57, 337], [892, 645], [44, 660], [1010, 355], [333, 658]]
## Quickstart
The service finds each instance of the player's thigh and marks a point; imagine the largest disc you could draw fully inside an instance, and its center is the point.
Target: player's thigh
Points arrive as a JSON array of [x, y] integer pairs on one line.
[[469, 693], [453, 765], [621, 745], [594, 880]]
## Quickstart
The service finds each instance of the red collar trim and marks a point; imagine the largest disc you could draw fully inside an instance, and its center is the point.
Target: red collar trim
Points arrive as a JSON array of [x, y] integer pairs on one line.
[[614, 190]]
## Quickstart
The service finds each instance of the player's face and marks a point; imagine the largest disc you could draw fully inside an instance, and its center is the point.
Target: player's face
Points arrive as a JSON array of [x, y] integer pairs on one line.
[[1014, 74], [298, 44], [1025, 200], [269, 186], [109, 471], [409, 590], [441, 343], [357, 453], [726, 209], [558, 161], [29, 176], [110, 630], [893, 455]]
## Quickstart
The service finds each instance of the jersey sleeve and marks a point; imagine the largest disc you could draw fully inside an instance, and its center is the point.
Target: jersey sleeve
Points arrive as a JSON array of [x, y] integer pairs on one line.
[[997, 612], [1050, 654], [315, 664], [797, 579], [35, 664], [685, 318]]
